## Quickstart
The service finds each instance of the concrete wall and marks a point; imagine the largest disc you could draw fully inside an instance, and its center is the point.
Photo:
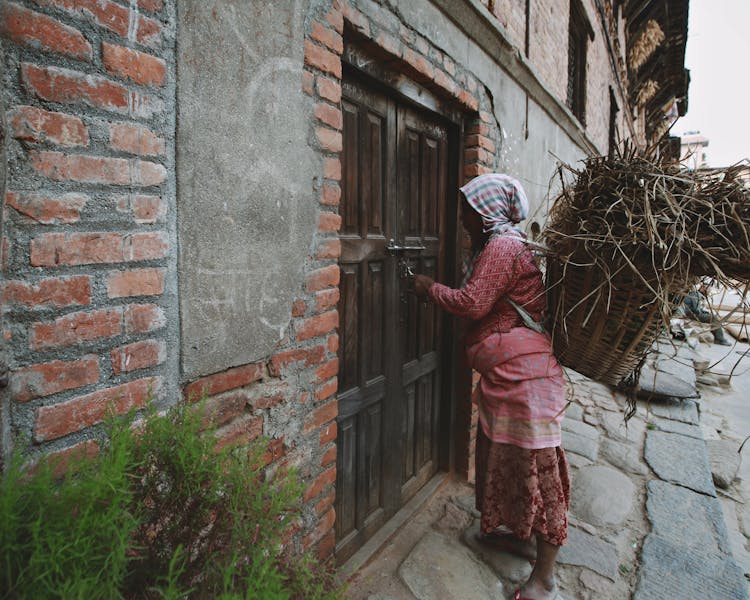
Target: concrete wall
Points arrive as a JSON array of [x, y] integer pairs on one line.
[[246, 178]]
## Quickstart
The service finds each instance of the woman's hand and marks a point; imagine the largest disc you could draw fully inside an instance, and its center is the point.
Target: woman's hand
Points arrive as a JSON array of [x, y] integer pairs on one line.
[[422, 283]]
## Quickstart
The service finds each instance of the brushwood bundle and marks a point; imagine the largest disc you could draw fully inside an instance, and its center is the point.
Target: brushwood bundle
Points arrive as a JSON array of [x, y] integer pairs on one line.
[[628, 236]]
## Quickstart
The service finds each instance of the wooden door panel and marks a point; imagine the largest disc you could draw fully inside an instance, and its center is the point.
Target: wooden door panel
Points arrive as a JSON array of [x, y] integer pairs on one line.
[[423, 150]]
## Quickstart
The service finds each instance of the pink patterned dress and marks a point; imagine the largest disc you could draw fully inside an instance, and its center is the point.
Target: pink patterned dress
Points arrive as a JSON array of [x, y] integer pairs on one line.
[[521, 470]]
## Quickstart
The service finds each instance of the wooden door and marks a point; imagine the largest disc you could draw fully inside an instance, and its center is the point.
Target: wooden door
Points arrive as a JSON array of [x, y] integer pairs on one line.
[[394, 164]]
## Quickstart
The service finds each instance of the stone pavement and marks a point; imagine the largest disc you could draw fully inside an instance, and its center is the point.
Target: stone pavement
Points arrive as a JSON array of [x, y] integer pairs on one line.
[[646, 520]]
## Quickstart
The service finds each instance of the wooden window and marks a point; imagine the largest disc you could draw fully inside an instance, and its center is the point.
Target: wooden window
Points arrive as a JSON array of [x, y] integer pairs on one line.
[[579, 30]]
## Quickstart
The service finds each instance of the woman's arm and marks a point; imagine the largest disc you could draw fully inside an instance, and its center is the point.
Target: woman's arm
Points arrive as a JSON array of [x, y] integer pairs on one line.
[[491, 278]]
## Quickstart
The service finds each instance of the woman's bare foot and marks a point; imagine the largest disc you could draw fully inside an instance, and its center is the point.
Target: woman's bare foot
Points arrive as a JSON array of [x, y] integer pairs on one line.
[[536, 590], [507, 542]]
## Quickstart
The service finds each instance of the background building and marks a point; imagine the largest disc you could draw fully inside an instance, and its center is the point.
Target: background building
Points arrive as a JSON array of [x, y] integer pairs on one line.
[[218, 199]]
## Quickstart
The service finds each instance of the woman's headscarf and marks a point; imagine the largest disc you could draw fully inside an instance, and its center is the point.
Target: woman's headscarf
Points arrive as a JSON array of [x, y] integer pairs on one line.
[[501, 202]]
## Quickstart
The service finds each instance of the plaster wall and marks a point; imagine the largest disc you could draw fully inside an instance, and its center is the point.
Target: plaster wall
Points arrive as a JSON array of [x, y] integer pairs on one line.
[[246, 178]]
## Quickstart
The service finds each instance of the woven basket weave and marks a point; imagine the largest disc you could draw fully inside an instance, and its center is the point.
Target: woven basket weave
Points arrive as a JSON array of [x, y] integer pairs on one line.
[[601, 331]]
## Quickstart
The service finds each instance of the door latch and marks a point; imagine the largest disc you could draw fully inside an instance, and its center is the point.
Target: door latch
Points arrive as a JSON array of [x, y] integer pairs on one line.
[[394, 247]]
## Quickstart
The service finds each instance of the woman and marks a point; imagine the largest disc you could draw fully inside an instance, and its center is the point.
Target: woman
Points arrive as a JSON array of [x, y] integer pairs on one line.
[[522, 486]]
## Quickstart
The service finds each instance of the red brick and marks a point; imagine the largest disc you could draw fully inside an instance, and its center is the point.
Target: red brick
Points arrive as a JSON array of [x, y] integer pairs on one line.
[[30, 28], [327, 390], [112, 16], [445, 82], [239, 432], [328, 139], [356, 19], [317, 325], [50, 378], [299, 308], [321, 529], [148, 209], [138, 355], [481, 141], [137, 282], [326, 546], [424, 70], [151, 5], [47, 209], [477, 127], [274, 451], [331, 195], [468, 100], [326, 478], [58, 420], [62, 459], [320, 58], [335, 19], [321, 415], [76, 328], [53, 249], [230, 379], [328, 433], [222, 409], [73, 87], [139, 67], [333, 343], [329, 457], [330, 90], [306, 356], [326, 371], [135, 139], [327, 299], [475, 169], [327, 37], [53, 292], [329, 222], [332, 169], [329, 249], [390, 44], [478, 154], [323, 278], [326, 501], [308, 82], [330, 115], [143, 318], [36, 125], [97, 169]]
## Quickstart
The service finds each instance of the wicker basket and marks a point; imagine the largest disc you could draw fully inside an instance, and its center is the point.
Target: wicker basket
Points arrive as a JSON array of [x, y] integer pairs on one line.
[[601, 331]]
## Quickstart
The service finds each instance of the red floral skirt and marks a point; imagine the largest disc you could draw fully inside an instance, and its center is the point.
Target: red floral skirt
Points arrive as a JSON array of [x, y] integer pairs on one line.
[[526, 491]]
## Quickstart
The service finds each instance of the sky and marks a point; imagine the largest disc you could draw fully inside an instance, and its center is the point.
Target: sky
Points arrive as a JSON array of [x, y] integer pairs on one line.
[[718, 56]]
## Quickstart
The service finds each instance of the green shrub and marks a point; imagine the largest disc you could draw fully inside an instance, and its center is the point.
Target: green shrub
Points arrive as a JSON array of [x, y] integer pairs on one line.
[[158, 513]]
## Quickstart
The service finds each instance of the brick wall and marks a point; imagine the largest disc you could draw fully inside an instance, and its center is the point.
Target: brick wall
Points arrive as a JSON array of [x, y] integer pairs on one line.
[[89, 205]]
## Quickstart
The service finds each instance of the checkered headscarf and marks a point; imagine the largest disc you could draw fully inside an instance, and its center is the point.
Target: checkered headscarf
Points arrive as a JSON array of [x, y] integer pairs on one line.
[[501, 202]]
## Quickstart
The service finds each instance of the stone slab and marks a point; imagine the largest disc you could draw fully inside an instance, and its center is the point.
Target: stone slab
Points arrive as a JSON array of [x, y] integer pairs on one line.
[[513, 569], [724, 460], [669, 426], [685, 411], [574, 411], [573, 442], [618, 429], [679, 459], [440, 566], [686, 518], [580, 428], [589, 551], [623, 456], [654, 382], [669, 570], [601, 496]]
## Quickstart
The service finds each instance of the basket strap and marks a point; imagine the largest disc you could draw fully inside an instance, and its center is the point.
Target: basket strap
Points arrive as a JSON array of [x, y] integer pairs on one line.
[[526, 317]]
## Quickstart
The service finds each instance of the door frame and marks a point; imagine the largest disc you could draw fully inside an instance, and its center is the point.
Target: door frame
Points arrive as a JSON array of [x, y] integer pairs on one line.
[[358, 64]]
